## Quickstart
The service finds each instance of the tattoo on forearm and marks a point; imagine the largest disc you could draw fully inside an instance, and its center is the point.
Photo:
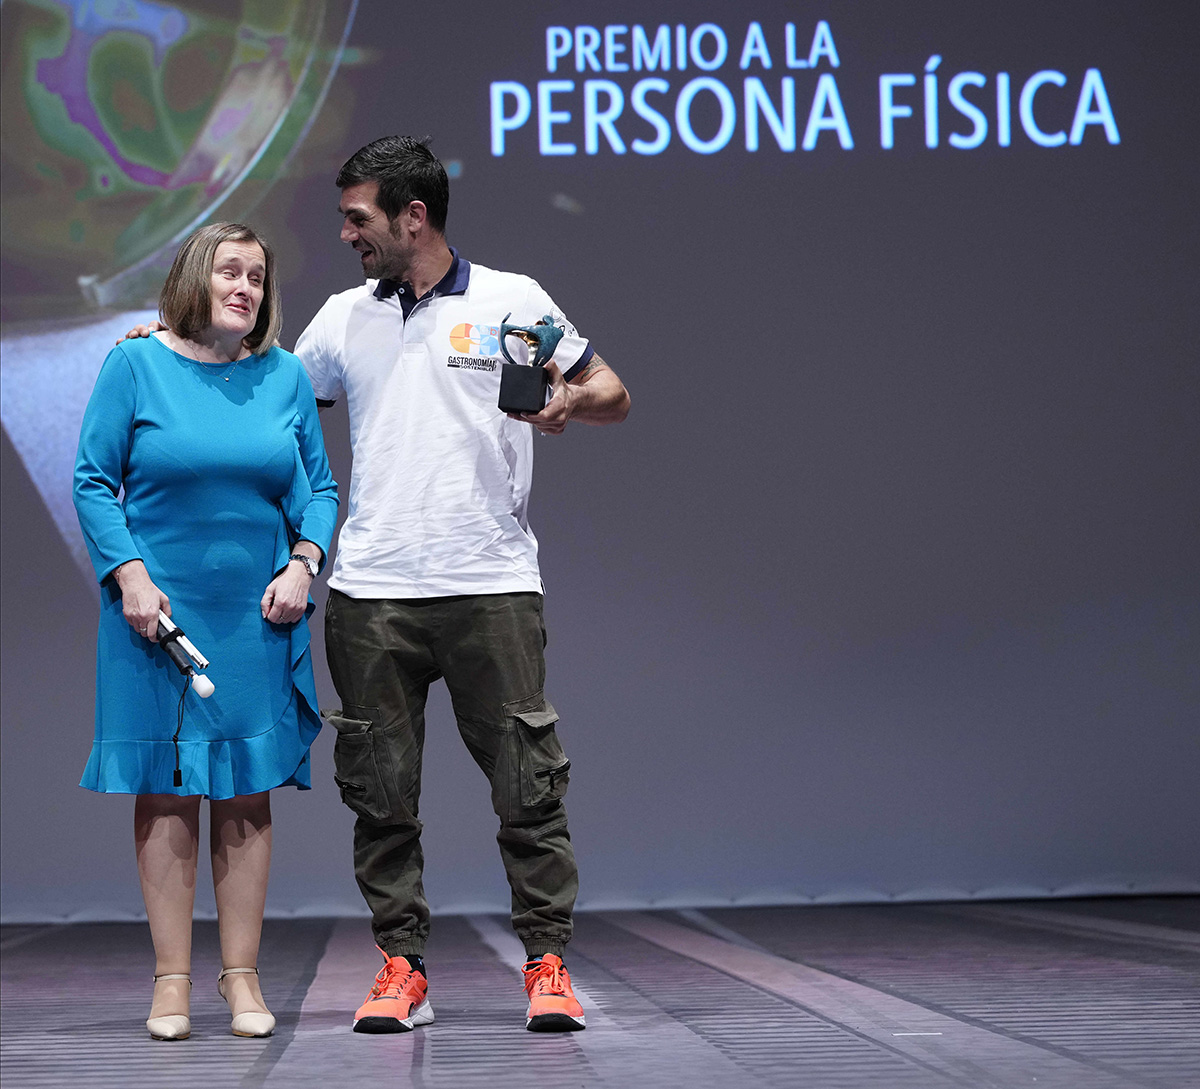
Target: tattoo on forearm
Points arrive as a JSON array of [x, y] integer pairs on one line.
[[593, 366]]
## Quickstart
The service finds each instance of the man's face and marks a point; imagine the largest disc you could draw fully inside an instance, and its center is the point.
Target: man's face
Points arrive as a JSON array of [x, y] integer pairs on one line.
[[366, 228]]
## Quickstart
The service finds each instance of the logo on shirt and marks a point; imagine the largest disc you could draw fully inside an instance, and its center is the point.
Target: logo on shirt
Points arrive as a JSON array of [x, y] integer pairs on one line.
[[468, 339]]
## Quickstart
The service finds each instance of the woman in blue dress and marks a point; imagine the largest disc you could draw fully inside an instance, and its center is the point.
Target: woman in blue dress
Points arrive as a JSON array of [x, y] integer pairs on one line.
[[203, 490]]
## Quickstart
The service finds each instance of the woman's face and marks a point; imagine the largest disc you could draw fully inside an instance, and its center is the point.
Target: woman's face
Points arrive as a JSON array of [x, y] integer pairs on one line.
[[238, 275]]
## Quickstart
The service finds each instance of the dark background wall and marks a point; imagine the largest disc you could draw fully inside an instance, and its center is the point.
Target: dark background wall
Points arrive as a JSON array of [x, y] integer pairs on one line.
[[888, 587]]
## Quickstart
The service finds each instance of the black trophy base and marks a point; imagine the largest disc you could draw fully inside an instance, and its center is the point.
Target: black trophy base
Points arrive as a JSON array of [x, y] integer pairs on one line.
[[523, 389]]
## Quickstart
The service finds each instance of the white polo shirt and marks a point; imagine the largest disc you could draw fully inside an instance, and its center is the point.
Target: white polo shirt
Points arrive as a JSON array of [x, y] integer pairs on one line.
[[440, 484]]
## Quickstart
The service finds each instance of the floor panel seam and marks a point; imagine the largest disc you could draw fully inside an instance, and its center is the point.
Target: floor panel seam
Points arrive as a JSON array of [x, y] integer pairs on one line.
[[966, 1020]]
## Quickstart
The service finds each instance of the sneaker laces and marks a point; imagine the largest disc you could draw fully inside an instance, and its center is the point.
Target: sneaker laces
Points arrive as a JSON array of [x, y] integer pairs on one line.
[[390, 980], [545, 978]]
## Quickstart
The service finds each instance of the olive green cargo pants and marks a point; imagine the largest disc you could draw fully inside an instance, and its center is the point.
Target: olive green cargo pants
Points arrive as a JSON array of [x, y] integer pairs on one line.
[[383, 655]]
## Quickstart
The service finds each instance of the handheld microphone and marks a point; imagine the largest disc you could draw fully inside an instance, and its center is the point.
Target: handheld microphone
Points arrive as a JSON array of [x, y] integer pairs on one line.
[[184, 654]]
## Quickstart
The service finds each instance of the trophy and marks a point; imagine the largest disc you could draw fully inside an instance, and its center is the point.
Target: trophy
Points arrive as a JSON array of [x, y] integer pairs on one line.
[[523, 388]]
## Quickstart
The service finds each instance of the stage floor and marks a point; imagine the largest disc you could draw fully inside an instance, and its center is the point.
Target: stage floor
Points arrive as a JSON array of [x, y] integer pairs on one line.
[[1066, 994]]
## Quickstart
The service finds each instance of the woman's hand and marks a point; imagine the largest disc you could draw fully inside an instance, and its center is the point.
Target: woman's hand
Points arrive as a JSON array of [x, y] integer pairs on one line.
[[141, 599], [287, 595]]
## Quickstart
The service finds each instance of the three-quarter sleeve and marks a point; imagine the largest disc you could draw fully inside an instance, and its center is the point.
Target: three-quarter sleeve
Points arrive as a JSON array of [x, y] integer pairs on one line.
[[101, 464], [319, 517]]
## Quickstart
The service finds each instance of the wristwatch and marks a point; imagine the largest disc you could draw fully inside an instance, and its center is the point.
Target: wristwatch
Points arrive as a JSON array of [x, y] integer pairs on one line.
[[310, 565]]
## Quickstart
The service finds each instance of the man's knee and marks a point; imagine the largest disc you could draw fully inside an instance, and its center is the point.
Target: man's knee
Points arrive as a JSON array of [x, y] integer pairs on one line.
[[533, 829]]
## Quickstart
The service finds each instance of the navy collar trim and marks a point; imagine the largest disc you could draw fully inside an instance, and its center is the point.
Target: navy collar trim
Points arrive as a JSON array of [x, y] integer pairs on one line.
[[455, 282]]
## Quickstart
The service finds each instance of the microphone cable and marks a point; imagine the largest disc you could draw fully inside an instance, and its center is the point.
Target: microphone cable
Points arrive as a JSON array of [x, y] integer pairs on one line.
[[187, 683], [181, 651]]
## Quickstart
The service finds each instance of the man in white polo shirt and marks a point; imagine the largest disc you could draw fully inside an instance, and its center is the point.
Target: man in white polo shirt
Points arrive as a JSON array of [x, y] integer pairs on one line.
[[436, 573]]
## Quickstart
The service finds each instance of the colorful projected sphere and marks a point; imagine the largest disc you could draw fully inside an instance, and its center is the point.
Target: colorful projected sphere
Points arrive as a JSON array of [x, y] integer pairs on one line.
[[128, 123]]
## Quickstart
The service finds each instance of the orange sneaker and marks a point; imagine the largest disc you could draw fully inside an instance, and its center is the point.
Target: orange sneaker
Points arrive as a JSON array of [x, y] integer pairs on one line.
[[397, 1002], [552, 1004]]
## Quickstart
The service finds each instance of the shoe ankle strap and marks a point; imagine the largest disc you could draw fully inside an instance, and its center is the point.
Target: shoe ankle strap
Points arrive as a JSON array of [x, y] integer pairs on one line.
[[173, 975], [236, 972]]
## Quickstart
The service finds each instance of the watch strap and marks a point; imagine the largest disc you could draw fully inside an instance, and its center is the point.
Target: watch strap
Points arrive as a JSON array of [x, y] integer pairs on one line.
[[310, 565]]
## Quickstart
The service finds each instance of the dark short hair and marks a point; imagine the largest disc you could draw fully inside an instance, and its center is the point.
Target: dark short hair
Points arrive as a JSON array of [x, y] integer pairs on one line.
[[405, 170], [185, 304]]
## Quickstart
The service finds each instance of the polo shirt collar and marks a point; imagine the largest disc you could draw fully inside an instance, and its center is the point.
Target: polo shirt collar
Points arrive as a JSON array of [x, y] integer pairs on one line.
[[455, 282]]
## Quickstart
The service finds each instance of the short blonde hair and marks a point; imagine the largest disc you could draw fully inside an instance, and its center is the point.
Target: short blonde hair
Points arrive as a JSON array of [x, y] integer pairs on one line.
[[185, 304]]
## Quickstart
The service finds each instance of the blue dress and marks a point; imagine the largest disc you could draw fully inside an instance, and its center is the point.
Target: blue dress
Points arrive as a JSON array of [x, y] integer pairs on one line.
[[219, 478]]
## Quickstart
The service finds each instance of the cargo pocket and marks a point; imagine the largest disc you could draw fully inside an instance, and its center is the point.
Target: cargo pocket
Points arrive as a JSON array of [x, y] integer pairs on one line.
[[364, 766], [543, 768]]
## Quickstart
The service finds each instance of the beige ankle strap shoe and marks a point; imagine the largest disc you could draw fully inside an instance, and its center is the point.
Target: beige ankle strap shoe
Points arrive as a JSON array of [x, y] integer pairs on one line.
[[254, 1023], [174, 1026]]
